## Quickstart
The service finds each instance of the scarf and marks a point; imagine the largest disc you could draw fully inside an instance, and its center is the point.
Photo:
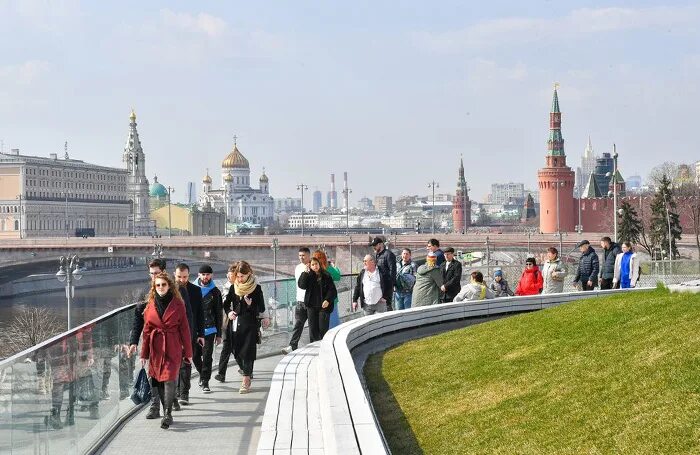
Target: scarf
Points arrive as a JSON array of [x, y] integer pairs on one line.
[[205, 289], [246, 288], [162, 302]]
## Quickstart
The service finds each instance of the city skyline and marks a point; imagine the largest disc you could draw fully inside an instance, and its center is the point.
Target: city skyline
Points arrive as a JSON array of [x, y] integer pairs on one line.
[[364, 89]]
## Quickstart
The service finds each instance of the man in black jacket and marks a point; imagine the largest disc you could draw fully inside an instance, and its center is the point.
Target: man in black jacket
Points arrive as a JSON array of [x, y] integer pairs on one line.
[[607, 268], [386, 263], [451, 271], [213, 312], [588, 267], [193, 302]]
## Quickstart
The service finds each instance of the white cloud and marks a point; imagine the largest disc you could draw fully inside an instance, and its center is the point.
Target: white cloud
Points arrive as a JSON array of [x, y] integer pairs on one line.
[[45, 15], [25, 73], [201, 23]]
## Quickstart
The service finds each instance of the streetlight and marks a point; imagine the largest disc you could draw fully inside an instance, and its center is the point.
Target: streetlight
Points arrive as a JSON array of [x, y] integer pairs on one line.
[[67, 271], [302, 188], [614, 190], [170, 222], [579, 226], [433, 185], [668, 220], [275, 247], [19, 196], [558, 183], [346, 195], [529, 232]]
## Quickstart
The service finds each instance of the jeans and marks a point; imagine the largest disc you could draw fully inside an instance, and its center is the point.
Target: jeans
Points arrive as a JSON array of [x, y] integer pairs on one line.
[[372, 309], [403, 300], [246, 365], [300, 317], [606, 283], [318, 323], [203, 357], [183, 380]]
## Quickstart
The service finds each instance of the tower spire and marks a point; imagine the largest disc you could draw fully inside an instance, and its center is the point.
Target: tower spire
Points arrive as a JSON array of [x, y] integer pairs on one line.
[[555, 98], [65, 150], [555, 144]]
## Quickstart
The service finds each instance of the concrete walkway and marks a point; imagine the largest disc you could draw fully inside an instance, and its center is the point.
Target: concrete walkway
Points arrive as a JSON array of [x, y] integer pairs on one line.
[[220, 422]]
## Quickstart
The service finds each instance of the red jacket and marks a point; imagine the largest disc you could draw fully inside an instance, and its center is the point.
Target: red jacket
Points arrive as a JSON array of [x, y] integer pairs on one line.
[[166, 341], [530, 282]]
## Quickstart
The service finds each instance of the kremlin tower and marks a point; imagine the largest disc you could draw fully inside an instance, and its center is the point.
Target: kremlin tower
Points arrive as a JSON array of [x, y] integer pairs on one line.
[[461, 205], [556, 180]]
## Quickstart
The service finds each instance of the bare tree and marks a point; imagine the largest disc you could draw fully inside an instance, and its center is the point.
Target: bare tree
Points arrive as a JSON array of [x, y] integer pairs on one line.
[[668, 169], [689, 203], [29, 328]]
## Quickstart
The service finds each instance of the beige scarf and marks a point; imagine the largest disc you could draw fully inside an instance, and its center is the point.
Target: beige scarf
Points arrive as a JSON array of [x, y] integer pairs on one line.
[[246, 288]]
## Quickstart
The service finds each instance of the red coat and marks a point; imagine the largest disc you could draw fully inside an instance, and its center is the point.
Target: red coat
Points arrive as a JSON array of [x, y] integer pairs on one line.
[[166, 341], [530, 282]]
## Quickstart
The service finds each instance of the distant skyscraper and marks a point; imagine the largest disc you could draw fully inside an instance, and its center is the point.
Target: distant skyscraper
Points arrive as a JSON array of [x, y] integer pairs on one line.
[[191, 193], [588, 161], [383, 204], [318, 201]]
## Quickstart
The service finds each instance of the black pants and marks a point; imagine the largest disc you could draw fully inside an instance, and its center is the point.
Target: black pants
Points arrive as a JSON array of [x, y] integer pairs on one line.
[[246, 365], [203, 357], [226, 349], [586, 287], [300, 317], [318, 323], [606, 283], [183, 380], [166, 392]]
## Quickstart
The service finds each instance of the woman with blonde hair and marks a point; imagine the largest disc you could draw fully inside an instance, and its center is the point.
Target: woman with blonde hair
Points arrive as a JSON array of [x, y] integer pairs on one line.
[[166, 340], [247, 308], [334, 272]]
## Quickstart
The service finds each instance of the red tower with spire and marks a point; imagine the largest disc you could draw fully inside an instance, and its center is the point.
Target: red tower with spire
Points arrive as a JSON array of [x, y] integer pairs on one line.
[[556, 180], [461, 205]]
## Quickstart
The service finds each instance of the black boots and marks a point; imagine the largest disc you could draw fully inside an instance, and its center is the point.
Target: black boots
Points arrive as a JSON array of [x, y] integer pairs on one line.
[[54, 420], [167, 420], [176, 405], [154, 411]]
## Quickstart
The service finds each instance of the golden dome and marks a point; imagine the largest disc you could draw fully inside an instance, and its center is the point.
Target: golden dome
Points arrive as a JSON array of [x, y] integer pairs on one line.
[[228, 178], [132, 117], [235, 159], [206, 179], [263, 177]]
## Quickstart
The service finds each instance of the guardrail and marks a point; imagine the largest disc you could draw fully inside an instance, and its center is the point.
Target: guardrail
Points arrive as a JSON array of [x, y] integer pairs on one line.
[[322, 382]]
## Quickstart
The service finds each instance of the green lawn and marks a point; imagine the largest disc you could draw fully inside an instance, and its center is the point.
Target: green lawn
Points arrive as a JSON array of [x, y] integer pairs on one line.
[[619, 374]]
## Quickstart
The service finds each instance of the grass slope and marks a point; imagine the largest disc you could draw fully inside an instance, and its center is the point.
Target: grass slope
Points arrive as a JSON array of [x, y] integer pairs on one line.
[[619, 374]]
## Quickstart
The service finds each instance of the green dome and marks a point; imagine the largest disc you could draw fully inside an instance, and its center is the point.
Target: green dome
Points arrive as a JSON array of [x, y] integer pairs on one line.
[[158, 190]]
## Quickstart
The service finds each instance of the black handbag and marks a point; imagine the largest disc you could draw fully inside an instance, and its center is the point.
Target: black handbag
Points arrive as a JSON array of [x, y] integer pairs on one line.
[[142, 389]]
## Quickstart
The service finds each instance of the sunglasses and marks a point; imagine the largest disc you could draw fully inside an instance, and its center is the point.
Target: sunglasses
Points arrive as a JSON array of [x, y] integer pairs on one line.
[[161, 285]]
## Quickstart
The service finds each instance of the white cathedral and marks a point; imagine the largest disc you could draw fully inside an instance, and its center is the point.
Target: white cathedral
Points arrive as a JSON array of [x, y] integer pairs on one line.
[[236, 197]]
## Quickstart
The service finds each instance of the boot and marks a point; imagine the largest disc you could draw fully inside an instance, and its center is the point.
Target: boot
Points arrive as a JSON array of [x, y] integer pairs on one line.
[[70, 417], [167, 420], [154, 411], [54, 420], [176, 405], [94, 413]]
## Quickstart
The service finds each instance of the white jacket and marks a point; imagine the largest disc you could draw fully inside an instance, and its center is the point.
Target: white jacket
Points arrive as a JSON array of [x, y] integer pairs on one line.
[[474, 291], [634, 269]]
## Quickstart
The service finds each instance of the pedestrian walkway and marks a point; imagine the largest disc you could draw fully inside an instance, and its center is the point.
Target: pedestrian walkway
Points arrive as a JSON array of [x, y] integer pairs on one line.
[[220, 422]]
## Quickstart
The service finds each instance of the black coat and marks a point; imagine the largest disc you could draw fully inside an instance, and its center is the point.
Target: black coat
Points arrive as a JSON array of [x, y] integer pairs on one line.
[[386, 263], [588, 268], [607, 268], [195, 294], [137, 321], [317, 292], [212, 308], [358, 294], [248, 322], [451, 280]]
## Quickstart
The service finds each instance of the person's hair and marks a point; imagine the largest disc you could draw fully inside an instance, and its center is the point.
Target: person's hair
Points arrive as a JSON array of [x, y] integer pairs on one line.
[[182, 266], [171, 285], [434, 242], [628, 244], [157, 262], [322, 258], [232, 268], [606, 239], [531, 261], [244, 268], [478, 276], [304, 249], [370, 257], [553, 250], [406, 249]]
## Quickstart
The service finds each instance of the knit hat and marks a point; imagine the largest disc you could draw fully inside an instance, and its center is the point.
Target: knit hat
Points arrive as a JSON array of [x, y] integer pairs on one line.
[[205, 269], [498, 273]]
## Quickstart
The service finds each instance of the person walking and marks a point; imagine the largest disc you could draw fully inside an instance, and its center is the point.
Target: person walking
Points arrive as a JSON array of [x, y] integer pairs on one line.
[[475, 290], [428, 281], [405, 280], [334, 272], [607, 268], [246, 308], [434, 247], [300, 315], [371, 291], [386, 263], [553, 273], [212, 305], [451, 271], [531, 280], [588, 267], [166, 341], [499, 285], [319, 298], [227, 331], [626, 268]]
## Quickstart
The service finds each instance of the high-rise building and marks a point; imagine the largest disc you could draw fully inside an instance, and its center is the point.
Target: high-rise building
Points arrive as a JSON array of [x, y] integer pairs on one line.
[[317, 201], [191, 193], [383, 204], [365, 204], [502, 193], [461, 205], [556, 180], [588, 162]]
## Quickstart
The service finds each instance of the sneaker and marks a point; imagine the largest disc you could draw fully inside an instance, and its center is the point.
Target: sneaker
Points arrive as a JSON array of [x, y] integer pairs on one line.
[[153, 412], [205, 387], [176, 405], [184, 399], [166, 422], [287, 350], [244, 390], [219, 377], [200, 383]]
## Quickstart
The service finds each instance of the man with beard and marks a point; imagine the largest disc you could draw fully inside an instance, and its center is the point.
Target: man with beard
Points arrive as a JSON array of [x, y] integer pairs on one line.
[[212, 308]]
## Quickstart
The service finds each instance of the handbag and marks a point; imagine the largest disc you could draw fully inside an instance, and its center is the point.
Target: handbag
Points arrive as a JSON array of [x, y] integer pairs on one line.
[[142, 389]]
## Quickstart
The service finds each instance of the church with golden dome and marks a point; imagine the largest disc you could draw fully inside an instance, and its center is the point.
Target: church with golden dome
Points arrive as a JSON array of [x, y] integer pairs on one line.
[[241, 202]]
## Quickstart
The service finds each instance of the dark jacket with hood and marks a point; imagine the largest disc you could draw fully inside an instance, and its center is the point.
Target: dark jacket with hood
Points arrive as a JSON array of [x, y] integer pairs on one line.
[[607, 268], [588, 268]]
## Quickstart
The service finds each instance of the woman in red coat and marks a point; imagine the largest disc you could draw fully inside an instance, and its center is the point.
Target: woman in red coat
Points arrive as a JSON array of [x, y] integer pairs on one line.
[[166, 340], [531, 279]]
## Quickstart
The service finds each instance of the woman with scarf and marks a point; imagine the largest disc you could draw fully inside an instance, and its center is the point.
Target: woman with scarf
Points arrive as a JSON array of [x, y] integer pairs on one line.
[[626, 268], [318, 299], [166, 340], [334, 272], [246, 307], [531, 281], [475, 290]]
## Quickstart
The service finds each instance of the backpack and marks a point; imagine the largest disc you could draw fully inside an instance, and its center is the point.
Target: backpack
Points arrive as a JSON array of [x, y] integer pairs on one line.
[[405, 280]]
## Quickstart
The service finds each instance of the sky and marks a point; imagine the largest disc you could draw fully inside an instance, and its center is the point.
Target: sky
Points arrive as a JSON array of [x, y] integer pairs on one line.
[[394, 93]]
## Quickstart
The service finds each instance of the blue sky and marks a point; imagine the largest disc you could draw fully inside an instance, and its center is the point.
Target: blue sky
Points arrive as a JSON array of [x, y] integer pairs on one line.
[[392, 93]]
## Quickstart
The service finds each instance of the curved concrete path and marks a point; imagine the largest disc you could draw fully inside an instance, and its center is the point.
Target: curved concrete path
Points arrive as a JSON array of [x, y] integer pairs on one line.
[[220, 422]]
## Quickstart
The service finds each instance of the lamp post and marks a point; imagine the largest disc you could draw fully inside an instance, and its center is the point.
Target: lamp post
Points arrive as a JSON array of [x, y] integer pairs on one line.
[[346, 195], [668, 221], [301, 187], [558, 184], [488, 257], [433, 185], [579, 226], [613, 179], [68, 270], [19, 196], [170, 220], [464, 208], [529, 232], [275, 247]]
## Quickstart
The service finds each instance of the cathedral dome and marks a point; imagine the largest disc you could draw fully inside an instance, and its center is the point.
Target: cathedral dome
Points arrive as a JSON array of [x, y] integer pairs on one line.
[[263, 177], [235, 160], [206, 179], [157, 189], [228, 178]]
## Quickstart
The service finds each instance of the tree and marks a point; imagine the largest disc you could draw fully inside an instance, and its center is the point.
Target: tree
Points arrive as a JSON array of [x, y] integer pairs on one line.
[[29, 328], [484, 219], [663, 214], [630, 226], [689, 203], [667, 170]]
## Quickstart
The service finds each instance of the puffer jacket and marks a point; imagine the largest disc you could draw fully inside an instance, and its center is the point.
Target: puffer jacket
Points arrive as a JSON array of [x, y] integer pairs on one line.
[[474, 291], [588, 267], [530, 282], [500, 288], [607, 268], [426, 291], [553, 274]]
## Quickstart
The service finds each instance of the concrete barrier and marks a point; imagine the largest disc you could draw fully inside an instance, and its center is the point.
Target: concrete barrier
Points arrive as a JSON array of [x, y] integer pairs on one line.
[[325, 379]]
